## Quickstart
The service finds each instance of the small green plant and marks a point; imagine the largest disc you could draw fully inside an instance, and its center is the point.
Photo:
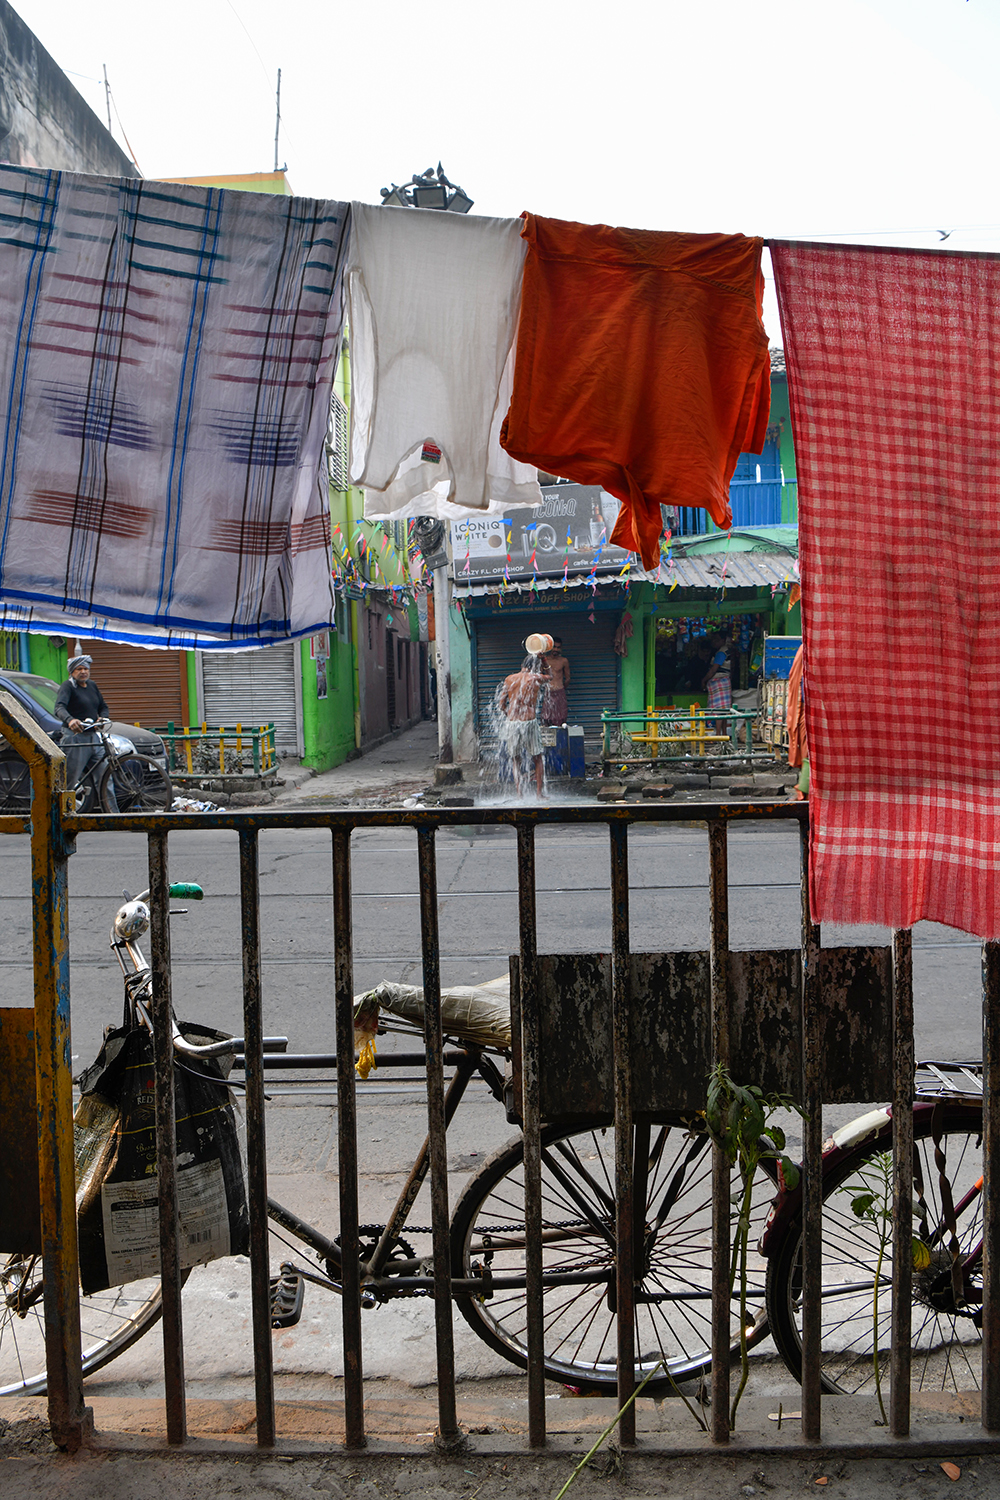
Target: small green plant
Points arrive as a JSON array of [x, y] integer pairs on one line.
[[874, 1206], [739, 1121]]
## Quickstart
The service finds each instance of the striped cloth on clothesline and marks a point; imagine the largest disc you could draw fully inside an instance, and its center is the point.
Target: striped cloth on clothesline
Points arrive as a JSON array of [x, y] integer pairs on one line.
[[166, 359]]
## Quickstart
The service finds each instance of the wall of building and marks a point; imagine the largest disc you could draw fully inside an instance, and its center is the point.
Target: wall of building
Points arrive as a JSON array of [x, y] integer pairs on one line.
[[48, 655], [328, 697], [44, 122], [781, 418]]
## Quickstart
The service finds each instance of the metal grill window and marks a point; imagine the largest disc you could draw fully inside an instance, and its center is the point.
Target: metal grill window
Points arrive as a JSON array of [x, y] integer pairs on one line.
[[337, 444]]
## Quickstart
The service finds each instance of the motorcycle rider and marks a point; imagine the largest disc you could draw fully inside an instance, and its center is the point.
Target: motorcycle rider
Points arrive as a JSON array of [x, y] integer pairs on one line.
[[78, 699]]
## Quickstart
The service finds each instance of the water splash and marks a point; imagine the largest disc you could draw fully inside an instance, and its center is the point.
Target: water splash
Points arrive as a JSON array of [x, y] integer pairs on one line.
[[507, 746]]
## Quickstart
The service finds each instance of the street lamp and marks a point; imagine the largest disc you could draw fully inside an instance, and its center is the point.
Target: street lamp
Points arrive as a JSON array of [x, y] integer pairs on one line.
[[430, 190]]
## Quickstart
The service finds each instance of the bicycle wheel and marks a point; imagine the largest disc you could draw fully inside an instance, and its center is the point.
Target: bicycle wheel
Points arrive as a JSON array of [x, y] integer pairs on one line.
[[673, 1305], [946, 1337], [15, 786], [139, 785], [110, 1321]]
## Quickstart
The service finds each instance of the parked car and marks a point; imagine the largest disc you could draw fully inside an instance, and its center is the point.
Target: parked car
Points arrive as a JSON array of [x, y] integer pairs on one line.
[[38, 696]]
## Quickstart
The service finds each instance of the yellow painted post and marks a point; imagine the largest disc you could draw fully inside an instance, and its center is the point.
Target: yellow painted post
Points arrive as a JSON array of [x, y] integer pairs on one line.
[[69, 1420], [239, 737], [653, 730], [187, 749]]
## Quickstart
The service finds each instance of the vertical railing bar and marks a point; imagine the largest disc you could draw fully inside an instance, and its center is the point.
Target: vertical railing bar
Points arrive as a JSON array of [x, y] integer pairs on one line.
[[347, 1140], [904, 1063], [721, 1185], [68, 1418], [166, 1138], [812, 1137], [253, 1034], [448, 1434], [531, 1127], [990, 1408], [625, 1229]]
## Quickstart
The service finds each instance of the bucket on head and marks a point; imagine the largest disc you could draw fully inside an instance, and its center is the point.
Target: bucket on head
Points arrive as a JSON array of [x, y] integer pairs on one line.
[[537, 645]]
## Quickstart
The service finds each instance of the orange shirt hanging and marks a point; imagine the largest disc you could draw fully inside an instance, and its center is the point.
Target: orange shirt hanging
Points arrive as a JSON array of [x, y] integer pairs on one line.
[[642, 366]]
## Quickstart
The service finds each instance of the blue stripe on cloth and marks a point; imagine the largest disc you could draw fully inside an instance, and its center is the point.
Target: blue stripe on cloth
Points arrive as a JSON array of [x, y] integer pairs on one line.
[[226, 638], [199, 311], [137, 265], [197, 250], [19, 371]]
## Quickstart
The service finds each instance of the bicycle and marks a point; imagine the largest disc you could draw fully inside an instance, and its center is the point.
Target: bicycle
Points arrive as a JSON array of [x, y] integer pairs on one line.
[[672, 1166], [946, 1330], [138, 783]]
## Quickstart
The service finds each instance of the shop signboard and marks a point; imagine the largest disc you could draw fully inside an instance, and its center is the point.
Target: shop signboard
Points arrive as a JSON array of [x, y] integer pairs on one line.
[[566, 535]]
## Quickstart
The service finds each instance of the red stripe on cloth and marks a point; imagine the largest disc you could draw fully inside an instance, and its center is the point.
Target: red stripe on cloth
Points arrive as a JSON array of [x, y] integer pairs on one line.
[[893, 361]]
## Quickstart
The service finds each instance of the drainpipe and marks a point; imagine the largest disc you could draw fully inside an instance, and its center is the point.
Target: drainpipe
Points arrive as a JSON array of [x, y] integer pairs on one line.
[[442, 627], [356, 667]]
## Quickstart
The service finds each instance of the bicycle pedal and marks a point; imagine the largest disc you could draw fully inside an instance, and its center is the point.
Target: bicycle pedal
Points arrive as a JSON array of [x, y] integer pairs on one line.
[[287, 1295]]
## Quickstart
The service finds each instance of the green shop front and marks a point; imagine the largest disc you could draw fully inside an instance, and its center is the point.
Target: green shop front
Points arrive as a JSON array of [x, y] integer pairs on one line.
[[633, 640]]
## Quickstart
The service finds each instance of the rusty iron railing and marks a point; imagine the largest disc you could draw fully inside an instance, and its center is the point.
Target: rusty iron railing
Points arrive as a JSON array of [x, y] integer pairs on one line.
[[51, 846], [52, 834]]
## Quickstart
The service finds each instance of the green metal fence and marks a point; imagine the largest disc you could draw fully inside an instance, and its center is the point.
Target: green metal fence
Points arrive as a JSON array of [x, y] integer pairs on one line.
[[220, 750]]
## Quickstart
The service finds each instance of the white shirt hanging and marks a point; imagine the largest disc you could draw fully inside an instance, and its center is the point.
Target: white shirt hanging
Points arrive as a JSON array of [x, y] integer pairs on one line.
[[433, 303]]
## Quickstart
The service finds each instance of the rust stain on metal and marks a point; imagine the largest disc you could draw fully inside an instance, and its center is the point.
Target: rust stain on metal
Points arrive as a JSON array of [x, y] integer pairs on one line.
[[20, 1220]]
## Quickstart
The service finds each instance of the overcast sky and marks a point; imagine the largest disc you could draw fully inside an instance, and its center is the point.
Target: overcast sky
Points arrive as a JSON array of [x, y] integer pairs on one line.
[[865, 120]]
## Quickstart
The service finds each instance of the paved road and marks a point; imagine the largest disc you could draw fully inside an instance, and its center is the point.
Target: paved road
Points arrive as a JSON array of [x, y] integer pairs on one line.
[[478, 929]]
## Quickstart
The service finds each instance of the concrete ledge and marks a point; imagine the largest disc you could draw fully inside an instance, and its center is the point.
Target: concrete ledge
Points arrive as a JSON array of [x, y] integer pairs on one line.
[[942, 1425]]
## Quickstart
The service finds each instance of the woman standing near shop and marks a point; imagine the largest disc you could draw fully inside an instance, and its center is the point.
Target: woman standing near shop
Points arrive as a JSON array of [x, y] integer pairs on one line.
[[718, 684]]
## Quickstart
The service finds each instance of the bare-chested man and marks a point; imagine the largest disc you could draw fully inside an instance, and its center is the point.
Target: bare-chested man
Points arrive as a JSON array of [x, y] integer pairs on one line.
[[555, 709], [517, 699]]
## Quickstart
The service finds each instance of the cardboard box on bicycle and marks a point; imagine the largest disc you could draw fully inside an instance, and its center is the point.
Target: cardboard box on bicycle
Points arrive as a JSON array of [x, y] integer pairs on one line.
[[115, 1141], [671, 1029]]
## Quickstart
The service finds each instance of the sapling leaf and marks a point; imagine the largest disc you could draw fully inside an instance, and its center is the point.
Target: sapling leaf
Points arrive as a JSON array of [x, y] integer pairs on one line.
[[920, 1254], [789, 1173], [861, 1205]]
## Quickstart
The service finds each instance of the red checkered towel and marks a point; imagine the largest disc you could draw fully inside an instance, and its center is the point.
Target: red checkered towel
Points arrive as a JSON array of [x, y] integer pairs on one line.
[[893, 363]]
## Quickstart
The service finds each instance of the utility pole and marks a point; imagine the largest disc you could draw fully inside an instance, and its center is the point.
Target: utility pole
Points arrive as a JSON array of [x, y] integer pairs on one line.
[[277, 122], [107, 96], [442, 644]]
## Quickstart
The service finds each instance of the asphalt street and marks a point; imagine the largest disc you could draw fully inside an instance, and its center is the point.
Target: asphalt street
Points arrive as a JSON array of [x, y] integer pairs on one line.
[[478, 930]]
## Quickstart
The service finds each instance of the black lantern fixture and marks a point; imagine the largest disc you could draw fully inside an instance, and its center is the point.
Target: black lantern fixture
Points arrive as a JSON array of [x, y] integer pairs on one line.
[[430, 190]]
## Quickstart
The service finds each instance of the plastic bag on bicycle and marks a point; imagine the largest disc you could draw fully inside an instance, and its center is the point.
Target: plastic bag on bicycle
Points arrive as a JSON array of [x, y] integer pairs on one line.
[[477, 1013], [115, 1142]]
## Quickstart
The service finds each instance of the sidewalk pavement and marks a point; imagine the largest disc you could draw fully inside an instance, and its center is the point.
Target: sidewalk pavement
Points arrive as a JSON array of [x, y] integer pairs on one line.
[[396, 769]]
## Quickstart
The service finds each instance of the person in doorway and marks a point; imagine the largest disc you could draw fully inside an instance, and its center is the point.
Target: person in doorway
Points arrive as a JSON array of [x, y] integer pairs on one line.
[[554, 706], [517, 700], [717, 683], [79, 699]]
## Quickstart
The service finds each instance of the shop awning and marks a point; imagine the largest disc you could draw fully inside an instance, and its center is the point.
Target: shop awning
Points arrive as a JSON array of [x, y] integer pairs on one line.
[[699, 569]]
